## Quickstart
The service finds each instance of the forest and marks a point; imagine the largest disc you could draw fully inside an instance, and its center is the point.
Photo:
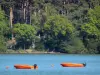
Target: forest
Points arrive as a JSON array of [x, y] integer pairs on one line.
[[66, 26]]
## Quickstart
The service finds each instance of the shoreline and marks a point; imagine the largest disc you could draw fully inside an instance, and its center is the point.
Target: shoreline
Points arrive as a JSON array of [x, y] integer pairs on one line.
[[29, 51]]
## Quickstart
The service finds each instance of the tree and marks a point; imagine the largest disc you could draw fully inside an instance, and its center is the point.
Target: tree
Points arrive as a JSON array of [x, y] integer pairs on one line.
[[3, 31], [3, 47], [55, 29], [3, 25], [58, 24], [90, 31], [24, 34], [94, 16], [92, 28]]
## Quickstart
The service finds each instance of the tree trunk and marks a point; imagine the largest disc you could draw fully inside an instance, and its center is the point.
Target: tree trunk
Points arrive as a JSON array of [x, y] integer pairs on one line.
[[11, 18]]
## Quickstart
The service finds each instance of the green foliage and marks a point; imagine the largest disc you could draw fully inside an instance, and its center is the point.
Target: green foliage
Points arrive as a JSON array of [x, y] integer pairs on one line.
[[50, 10], [39, 17], [1, 14], [54, 21], [92, 46], [3, 25], [98, 48], [3, 31], [77, 46], [55, 29], [36, 19], [3, 47], [94, 16], [73, 45], [24, 31], [58, 25], [40, 46], [24, 34], [91, 30]]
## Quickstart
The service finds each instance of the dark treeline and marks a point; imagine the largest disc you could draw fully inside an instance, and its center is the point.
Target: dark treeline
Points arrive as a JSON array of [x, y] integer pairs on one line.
[[69, 26]]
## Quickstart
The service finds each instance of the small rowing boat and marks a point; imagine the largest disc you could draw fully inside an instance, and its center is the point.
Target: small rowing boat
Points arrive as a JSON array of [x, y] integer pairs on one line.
[[73, 64], [24, 66]]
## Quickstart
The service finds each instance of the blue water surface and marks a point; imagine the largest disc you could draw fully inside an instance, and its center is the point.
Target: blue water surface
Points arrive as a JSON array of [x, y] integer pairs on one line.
[[49, 64]]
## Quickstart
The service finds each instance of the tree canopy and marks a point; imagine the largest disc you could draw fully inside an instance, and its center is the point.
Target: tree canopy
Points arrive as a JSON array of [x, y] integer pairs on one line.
[[58, 25], [70, 26]]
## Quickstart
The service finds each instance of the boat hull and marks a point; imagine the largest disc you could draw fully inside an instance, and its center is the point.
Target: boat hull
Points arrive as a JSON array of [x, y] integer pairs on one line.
[[18, 66], [72, 65]]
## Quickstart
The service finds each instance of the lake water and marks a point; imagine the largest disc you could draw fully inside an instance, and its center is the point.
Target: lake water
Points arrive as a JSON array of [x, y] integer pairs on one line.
[[45, 62]]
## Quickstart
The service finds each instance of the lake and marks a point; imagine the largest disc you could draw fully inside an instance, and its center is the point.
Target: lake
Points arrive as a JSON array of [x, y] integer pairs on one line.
[[45, 62]]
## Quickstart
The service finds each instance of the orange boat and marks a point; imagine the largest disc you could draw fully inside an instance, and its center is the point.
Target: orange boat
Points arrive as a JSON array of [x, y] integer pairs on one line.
[[20, 66], [73, 65]]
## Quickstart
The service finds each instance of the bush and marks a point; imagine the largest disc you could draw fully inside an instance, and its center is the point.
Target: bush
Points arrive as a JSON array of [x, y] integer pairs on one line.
[[74, 46], [2, 45], [39, 46]]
